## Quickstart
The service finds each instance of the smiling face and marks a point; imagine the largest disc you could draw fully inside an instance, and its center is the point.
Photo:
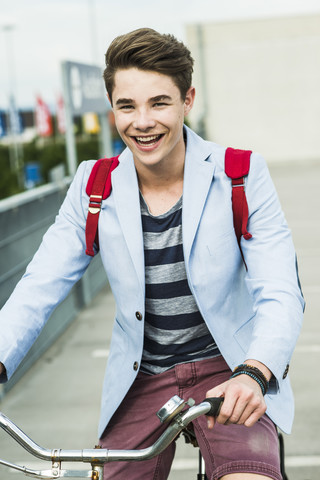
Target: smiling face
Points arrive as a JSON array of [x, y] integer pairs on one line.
[[149, 115]]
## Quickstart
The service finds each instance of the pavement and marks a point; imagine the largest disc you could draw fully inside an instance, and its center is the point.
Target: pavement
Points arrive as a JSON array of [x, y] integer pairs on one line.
[[57, 402]]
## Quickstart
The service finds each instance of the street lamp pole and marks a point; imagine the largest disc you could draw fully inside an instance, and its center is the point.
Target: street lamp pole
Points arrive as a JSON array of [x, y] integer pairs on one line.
[[105, 135], [93, 31], [12, 120]]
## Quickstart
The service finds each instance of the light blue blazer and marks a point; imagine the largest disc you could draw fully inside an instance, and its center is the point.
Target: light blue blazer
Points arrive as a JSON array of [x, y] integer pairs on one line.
[[251, 315]]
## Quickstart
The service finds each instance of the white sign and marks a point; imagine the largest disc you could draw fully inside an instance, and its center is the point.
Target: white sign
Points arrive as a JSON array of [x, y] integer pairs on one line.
[[85, 88]]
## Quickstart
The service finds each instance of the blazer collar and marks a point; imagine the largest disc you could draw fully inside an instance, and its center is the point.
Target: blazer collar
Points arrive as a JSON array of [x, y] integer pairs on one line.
[[198, 174], [127, 203]]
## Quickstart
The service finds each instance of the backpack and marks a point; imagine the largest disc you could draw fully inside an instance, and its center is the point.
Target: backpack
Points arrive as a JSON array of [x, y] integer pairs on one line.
[[236, 167], [98, 188], [237, 164]]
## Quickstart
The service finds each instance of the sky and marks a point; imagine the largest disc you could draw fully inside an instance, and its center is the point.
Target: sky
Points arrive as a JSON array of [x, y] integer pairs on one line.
[[43, 33]]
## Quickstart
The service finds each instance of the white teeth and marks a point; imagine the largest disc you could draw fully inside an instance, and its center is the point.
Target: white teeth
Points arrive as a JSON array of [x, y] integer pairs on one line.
[[147, 139]]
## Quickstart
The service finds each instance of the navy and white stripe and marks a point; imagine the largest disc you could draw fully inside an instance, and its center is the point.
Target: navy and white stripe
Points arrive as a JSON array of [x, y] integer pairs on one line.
[[175, 331]]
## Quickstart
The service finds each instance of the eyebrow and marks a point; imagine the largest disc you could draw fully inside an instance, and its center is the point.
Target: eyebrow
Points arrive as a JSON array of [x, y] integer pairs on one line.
[[157, 98], [122, 101]]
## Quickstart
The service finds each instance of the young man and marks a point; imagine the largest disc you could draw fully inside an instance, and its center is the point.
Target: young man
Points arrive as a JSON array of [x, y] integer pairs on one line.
[[188, 311]]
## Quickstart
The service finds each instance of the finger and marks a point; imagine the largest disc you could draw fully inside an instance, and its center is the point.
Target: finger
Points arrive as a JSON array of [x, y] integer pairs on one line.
[[227, 410], [233, 413], [215, 392], [211, 422], [254, 409], [248, 411], [254, 416]]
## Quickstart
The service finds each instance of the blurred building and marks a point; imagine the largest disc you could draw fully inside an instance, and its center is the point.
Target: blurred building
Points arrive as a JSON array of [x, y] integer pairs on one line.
[[258, 85]]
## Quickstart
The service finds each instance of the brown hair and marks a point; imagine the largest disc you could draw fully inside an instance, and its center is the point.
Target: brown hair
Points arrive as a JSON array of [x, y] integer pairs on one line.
[[148, 49]]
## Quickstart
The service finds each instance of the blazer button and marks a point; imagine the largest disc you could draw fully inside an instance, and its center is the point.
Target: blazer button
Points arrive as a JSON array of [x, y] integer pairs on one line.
[[138, 316], [135, 366], [285, 373]]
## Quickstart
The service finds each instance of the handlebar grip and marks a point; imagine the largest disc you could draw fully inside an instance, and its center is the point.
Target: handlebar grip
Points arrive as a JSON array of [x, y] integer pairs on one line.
[[215, 403]]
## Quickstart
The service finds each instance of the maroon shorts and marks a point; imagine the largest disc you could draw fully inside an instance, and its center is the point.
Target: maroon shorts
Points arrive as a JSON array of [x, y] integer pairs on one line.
[[226, 449]]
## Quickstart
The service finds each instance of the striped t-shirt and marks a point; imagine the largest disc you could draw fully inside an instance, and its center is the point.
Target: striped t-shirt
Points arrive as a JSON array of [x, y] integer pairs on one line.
[[175, 331]]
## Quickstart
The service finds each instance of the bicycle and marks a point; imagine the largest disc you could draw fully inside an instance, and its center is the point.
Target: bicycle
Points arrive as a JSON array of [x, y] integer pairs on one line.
[[176, 412]]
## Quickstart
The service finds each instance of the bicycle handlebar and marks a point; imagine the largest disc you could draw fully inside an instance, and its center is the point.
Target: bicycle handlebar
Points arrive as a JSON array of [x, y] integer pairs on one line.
[[99, 456]]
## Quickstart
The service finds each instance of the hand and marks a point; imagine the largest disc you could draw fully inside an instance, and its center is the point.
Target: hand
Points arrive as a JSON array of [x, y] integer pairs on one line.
[[243, 402], [2, 368]]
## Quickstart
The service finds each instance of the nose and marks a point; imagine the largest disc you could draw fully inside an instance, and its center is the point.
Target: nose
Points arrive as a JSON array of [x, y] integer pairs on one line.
[[143, 120]]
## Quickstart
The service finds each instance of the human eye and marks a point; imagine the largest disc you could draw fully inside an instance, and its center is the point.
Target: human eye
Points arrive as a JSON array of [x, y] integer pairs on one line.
[[160, 104], [126, 107]]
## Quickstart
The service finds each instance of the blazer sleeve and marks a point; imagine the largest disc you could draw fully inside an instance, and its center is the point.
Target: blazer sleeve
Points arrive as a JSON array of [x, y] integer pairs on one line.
[[59, 262], [272, 276]]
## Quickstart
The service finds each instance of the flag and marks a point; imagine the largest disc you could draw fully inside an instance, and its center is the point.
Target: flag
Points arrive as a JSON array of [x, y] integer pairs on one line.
[[61, 117], [43, 118], [15, 119]]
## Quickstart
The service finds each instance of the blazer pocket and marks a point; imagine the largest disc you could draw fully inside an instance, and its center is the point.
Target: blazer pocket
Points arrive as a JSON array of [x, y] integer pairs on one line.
[[119, 340], [224, 242], [118, 324], [244, 333]]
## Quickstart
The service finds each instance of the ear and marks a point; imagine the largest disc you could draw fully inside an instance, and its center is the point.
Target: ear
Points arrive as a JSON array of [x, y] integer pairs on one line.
[[188, 102]]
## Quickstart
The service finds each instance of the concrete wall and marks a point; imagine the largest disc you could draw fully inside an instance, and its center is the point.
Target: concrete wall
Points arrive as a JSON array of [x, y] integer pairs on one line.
[[24, 219], [258, 85]]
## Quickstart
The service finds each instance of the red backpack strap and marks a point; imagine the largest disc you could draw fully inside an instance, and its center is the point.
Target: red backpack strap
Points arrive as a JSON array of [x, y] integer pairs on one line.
[[237, 164], [98, 188]]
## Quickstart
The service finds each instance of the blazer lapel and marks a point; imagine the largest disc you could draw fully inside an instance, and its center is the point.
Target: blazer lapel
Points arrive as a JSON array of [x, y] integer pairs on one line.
[[127, 203], [198, 176]]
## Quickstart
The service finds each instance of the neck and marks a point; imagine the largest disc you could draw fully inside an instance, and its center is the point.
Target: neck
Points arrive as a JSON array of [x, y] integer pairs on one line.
[[165, 173], [158, 178], [161, 193], [161, 187]]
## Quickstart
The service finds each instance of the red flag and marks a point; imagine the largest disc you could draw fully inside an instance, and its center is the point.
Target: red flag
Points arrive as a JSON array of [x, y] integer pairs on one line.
[[43, 119], [61, 117]]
